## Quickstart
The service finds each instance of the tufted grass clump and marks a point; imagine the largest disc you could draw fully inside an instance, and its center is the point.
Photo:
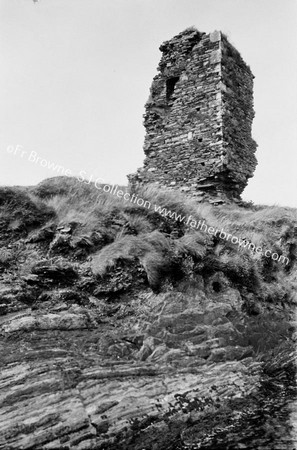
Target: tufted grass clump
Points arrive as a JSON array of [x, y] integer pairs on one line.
[[151, 250]]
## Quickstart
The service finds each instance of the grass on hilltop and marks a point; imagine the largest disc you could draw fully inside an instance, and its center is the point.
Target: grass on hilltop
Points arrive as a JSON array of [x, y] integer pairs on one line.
[[74, 200], [129, 231]]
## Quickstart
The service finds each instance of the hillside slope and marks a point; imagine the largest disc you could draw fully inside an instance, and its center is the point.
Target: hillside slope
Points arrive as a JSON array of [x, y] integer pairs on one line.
[[127, 327]]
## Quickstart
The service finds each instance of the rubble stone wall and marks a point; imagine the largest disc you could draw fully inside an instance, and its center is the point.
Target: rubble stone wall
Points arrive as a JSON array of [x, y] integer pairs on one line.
[[198, 118]]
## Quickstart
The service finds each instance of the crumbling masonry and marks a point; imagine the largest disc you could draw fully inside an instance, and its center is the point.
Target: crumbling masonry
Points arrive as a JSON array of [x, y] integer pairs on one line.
[[198, 119]]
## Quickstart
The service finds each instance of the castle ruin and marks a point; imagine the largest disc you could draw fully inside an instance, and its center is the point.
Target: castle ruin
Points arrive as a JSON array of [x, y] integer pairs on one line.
[[198, 119]]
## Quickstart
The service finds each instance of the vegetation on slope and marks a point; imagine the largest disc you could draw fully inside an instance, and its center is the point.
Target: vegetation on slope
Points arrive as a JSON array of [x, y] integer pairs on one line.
[[81, 221], [64, 222]]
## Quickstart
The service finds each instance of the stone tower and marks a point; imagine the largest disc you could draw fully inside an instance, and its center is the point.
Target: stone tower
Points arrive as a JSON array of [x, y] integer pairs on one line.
[[198, 119]]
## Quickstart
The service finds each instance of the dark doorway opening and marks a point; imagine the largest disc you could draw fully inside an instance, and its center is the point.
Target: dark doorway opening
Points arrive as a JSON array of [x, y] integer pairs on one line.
[[170, 85]]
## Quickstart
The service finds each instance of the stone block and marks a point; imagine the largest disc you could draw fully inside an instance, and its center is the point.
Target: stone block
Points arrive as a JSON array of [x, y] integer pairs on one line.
[[215, 36]]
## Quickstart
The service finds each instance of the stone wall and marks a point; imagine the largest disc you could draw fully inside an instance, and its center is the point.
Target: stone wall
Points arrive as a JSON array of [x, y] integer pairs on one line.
[[198, 119]]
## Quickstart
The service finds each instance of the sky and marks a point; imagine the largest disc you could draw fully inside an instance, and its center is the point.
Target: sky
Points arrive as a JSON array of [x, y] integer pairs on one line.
[[75, 76]]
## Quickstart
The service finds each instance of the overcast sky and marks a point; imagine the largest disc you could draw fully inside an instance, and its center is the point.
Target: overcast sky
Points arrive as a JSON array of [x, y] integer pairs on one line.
[[75, 75]]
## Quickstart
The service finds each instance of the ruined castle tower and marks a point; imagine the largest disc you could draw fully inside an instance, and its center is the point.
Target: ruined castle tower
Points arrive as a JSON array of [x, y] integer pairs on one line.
[[198, 119]]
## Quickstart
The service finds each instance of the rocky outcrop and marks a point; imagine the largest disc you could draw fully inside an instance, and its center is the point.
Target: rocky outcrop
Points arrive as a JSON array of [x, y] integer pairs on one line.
[[152, 337], [139, 373]]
